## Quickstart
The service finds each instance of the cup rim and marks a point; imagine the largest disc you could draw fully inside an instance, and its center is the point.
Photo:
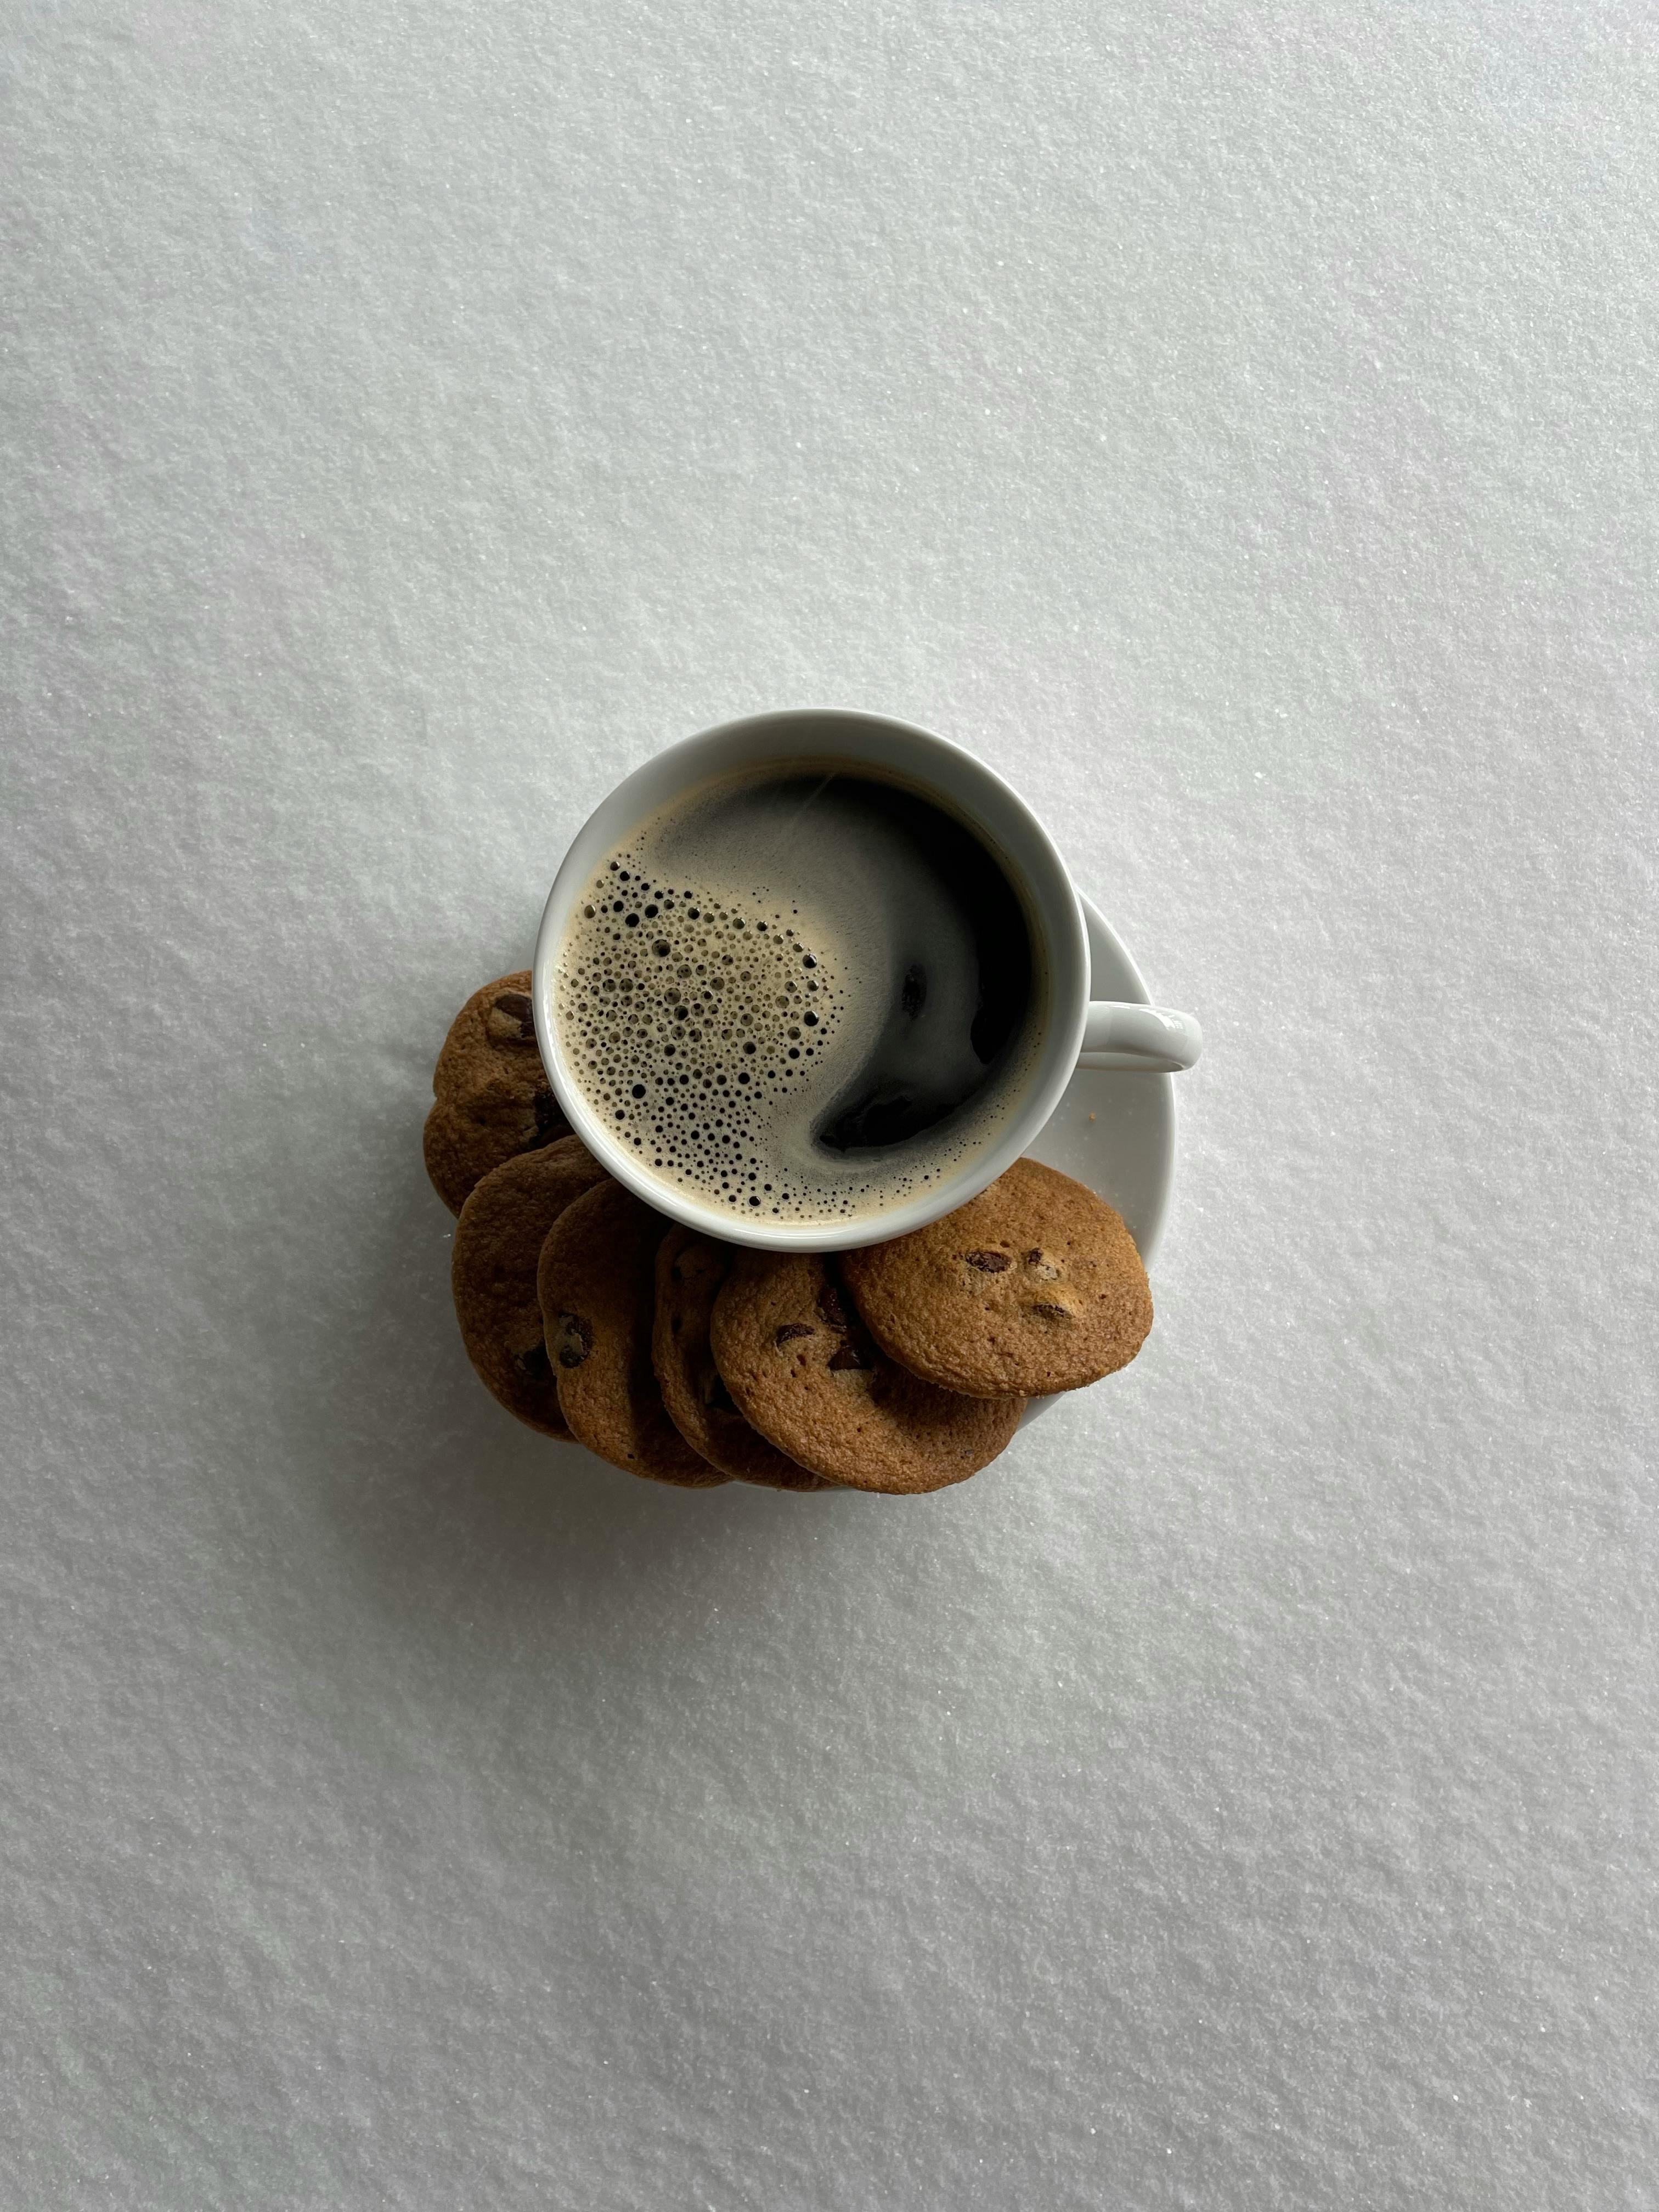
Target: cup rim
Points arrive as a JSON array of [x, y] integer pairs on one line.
[[1055, 908]]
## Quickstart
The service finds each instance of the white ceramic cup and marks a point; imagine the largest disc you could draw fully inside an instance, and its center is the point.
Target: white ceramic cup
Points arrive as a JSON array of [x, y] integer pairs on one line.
[[1099, 1034]]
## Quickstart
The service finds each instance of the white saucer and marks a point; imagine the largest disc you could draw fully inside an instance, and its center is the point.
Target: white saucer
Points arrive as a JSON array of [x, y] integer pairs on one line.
[[1115, 1132]]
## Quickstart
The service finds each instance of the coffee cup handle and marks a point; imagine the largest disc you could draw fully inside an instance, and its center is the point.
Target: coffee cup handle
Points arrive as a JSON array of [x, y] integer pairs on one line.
[[1149, 1040]]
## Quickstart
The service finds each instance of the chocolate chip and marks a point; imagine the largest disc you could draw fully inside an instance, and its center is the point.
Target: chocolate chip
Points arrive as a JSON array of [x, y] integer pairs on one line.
[[848, 1356], [1051, 1312], [575, 1339], [790, 1330], [532, 1362], [517, 1021], [550, 1123], [989, 1263], [830, 1306]]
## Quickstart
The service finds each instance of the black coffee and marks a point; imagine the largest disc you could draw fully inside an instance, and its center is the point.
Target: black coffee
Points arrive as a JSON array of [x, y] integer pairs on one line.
[[800, 995]]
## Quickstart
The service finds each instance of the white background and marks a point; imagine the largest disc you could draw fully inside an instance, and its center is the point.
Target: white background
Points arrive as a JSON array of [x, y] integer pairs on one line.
[[1237, 423]]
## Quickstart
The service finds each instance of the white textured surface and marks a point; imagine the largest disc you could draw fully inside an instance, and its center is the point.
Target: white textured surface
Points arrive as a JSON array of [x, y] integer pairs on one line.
[[1237, 423]]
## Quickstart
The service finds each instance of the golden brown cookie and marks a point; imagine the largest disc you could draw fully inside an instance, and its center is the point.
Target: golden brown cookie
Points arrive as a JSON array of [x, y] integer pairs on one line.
[[598, 1287], [690, 1269], [806, 1374], [492, 1099], [1035, 1285], [492, 1272]]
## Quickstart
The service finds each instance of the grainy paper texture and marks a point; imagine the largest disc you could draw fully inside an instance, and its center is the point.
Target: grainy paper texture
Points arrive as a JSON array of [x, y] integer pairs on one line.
[[1238, 424]]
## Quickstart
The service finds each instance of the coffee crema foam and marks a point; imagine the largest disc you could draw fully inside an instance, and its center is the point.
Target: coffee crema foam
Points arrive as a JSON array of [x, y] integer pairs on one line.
[[736, 967]]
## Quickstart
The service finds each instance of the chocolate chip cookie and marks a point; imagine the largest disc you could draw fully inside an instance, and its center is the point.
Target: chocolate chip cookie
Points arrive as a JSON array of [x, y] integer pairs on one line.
[[690, 1269], [1035, 1285], [498, 1243], [804, 1371], [598, 1286], [492, 1099]]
